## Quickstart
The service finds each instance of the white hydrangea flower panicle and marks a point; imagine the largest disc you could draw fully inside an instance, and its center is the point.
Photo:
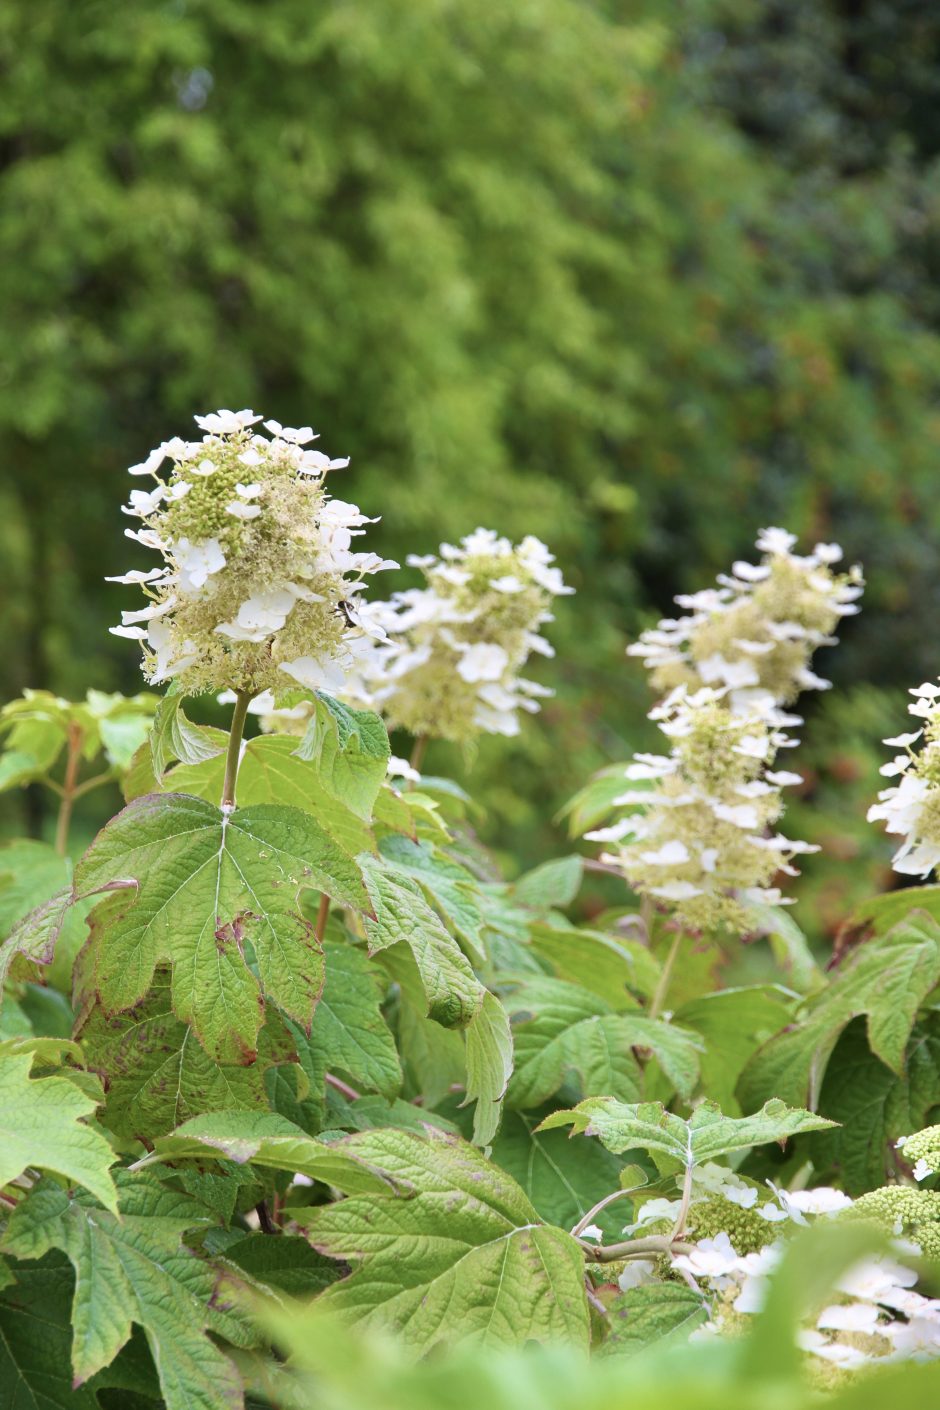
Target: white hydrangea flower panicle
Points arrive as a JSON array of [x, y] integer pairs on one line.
[[703, 838], [910, 808], [450, 663], [260, 588], [755, 633]]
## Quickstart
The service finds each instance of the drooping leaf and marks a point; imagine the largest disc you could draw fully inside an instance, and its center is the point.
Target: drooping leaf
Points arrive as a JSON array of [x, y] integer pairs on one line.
[[707, 1135], [607, 965], [886, 978], [562, 1178], [158, 1075], [350, 749], [402, 916], [199, 884], [655, 1313], [174, 737], [433, 1058], [42, 1124], [874, 1106], [36, 1340], [489, 1066], [268, 1141], [134, 1269], [349, 1034], [464, 1258], [445, 883], [733, 1024], [564, 1034]]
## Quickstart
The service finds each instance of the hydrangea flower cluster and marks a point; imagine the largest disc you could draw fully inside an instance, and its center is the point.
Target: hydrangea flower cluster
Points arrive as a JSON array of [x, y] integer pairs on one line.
[[737, 1231], [911, 807], [260, 585], [703, 838], [756, 632], [449, 665], [923, 1151]]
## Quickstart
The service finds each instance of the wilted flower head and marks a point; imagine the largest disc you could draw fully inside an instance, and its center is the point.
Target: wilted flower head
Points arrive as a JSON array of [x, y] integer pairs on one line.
[[911, 807], [703, 838], [449, 667], [259, 587], [756, 631]]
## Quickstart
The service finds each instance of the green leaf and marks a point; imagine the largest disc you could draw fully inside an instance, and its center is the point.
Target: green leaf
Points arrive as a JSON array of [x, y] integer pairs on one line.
[[34, 884], [465, 1257], [36, 1340], [595, 801], [874, 1106], [564, 1034], [789, 945], [886, 978], [270, 772], [562, 1178], [707, 1135], [349, 1034], [882, 913], [30, 872], [265, 1140], [554, 883], [286, 1263], [174, 737], [402, 916], [350, 749], [204, 884], [606, 965], [35, 730], [42, 1124], [133, 1269], [655, 1313], [489, 1066], [158, 1075], [733, 1023], [433, 1058], [448, 886]]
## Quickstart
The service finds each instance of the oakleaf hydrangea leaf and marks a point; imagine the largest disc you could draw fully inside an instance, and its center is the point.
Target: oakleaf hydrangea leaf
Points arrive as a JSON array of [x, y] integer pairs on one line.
[[562, 1178], [707, 1135], [134, 1269], [489, 1066], [351, 751], [465, 1257], [174, 737], [158, 1075], [42, 1124], [402, 915], [349, 1033], [887, 978], [203, 885], [654, 1313]]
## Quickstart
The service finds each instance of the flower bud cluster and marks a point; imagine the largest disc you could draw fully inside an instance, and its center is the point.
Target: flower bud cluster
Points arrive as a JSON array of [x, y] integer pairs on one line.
[[449, 665], [923, 1151], [703, 836], [911, 807], [259, 588], [756, 632]]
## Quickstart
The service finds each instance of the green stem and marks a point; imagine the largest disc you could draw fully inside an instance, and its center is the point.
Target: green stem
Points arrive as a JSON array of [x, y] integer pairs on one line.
[[662, 988], [634, 1248], [243, 699]]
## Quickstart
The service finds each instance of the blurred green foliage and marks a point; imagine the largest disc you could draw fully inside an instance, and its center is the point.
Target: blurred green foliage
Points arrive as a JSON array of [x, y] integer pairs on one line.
[[636, 277]]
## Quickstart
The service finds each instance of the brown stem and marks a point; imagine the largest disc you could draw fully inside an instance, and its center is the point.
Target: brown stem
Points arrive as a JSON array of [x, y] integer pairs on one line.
[[73, 763], [264, 1218], [343, 1088], [586, 1219], [323, 912], [418, 751], [243, 699]]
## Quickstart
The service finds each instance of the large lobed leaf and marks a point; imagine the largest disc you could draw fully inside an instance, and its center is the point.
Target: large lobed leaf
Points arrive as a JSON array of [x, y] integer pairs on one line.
[[466, 1257], [134, 1269], [42, 1124], [205, 885], [707, 1134], [887, 979]]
